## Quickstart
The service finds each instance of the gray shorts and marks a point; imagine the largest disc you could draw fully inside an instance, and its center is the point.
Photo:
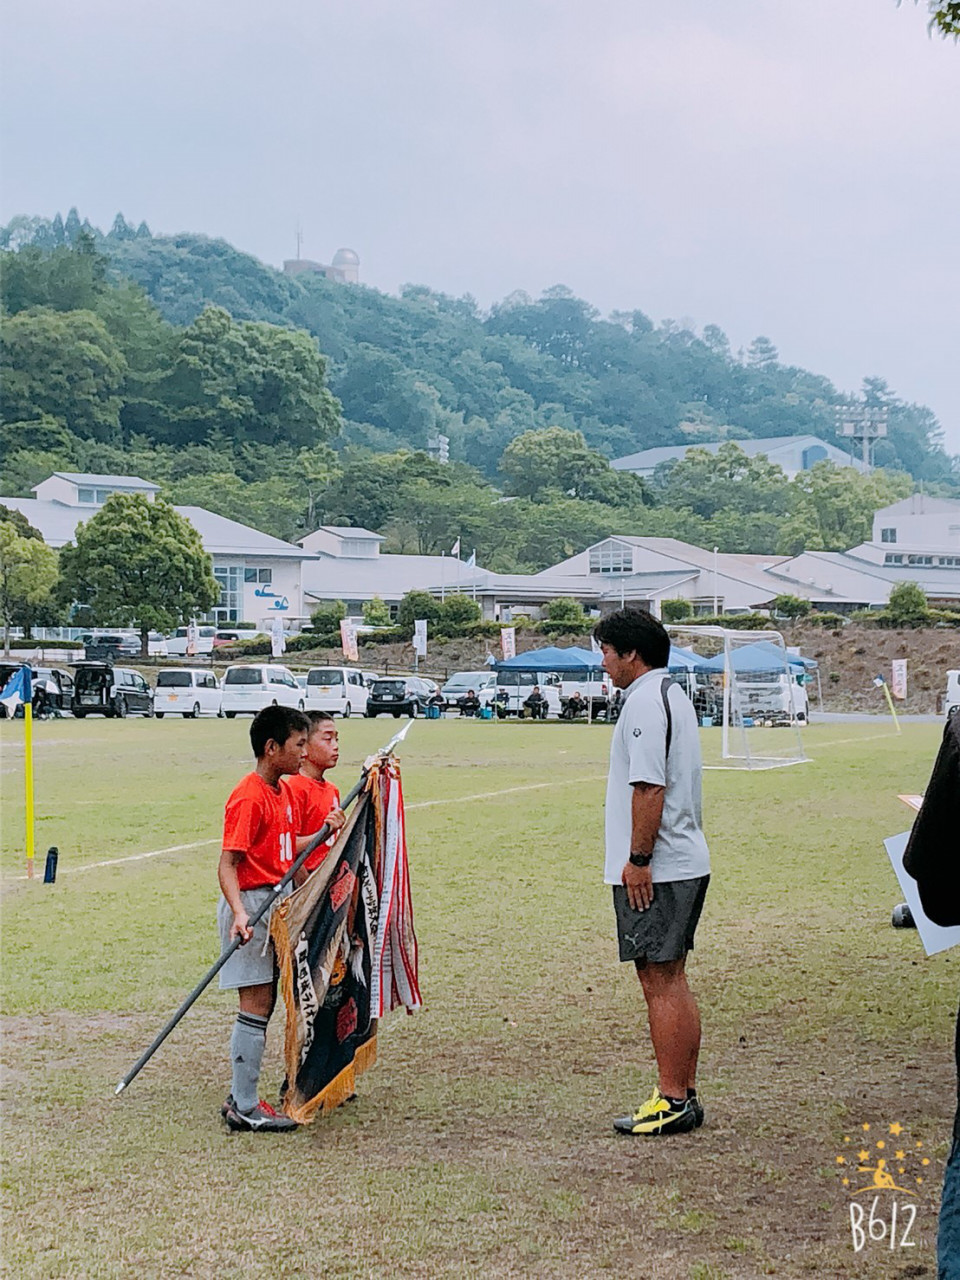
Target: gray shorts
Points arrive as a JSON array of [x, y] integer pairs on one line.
[[665, 930], [253, 963]]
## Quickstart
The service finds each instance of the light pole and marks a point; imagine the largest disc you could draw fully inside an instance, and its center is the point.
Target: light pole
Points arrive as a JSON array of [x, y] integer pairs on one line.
[[716, 605]]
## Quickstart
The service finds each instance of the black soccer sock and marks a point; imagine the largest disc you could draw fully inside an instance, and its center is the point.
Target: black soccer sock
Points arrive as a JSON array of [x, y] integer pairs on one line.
[[691, 1093], [246, 1054]]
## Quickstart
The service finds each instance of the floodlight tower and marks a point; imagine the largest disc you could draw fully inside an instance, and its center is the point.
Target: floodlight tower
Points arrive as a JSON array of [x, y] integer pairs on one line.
[[864, 424]]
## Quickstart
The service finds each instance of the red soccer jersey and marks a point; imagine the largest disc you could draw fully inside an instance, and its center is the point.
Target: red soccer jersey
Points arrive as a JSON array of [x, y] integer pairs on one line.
[[313, 800], [260, 823]]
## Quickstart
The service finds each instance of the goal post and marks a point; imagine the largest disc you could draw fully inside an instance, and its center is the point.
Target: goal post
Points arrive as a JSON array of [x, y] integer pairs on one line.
[[746, 684]]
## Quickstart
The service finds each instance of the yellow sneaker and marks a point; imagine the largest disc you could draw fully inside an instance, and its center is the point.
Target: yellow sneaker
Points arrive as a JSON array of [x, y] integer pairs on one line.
[[657, 1117]]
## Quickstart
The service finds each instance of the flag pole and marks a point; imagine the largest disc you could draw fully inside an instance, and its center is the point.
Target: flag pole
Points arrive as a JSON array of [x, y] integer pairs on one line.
[[261, 911], [28, 769]]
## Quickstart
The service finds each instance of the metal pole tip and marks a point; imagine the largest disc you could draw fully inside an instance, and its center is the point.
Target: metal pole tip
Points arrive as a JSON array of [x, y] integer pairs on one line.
[[120, 1087]]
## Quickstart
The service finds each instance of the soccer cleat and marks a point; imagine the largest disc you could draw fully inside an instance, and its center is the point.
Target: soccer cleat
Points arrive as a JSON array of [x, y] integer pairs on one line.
[[658, 1116], [696, 1106], [262, 1119]]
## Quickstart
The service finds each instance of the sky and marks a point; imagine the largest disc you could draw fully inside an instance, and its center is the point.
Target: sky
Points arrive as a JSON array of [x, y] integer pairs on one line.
[[788, 168]]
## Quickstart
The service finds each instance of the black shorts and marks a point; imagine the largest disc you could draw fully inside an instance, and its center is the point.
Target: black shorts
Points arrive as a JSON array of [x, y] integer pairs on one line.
[[665, 930]]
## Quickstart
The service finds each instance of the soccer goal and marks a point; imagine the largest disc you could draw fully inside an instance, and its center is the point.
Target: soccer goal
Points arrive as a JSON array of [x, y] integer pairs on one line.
[[746, 685]]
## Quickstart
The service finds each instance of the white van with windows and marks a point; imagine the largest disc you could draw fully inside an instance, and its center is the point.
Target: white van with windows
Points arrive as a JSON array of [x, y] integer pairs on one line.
[[186, 691], [952, 701], [514, 687], [339, 690], [177, 643], [247, 688]]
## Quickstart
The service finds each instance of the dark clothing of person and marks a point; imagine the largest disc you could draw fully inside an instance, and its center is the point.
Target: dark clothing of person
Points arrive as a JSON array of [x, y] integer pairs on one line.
[[537, 704], [469, 705], [932, 858]]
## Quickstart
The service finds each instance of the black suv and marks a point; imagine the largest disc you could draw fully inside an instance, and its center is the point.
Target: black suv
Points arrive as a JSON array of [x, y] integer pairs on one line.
[[399, 695], [100, 689]]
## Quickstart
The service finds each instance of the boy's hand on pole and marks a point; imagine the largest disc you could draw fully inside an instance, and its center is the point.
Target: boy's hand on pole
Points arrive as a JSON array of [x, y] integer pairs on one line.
[[335, 819], [240, 927]]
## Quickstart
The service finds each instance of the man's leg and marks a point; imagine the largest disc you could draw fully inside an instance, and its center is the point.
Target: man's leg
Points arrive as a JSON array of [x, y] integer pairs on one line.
[[674, 1025]]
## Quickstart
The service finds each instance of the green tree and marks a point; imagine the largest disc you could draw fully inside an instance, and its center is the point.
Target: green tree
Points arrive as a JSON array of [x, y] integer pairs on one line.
[[788, 606], [19, 523], [457, 612], [567, 611], [139, 563], [833, 507], [541, 464], [728, 481], [28, 575], [326, 618], [376, 613], [907, 605], [674, 610], [416, 605], [63, 365]]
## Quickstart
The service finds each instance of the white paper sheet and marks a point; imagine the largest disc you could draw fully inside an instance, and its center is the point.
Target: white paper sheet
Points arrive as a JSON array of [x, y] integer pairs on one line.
[[933, 936]]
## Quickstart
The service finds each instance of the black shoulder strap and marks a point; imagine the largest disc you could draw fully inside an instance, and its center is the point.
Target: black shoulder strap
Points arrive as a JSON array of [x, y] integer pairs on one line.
[[665, 684]]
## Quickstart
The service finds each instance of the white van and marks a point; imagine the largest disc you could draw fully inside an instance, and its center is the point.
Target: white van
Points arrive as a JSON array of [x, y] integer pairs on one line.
[[188, 692], [514, 687], [339, 690], [177, 643], [952, 701], [246, 689]]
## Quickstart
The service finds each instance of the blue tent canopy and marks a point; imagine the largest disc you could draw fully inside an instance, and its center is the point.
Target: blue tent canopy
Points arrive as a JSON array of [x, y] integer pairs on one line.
[[686, 660], [553, 658], [760, 657]]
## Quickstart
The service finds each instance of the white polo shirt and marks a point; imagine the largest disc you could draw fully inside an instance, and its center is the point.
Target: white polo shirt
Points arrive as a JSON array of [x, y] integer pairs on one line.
[[638, 754]]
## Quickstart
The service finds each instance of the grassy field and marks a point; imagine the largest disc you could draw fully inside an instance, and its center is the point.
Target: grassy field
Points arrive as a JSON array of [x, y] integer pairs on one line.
[[481, 1143]]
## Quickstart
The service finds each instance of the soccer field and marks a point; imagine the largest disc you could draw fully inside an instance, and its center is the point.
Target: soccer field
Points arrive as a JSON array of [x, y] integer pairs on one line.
[[480, 1145]]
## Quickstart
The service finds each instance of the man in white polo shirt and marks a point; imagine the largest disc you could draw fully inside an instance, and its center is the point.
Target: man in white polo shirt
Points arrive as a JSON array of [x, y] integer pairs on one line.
[[656, 856]]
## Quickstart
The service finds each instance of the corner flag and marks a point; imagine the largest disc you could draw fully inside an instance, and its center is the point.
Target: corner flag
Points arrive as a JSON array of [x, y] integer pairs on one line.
[[19, 689], [16, 690]]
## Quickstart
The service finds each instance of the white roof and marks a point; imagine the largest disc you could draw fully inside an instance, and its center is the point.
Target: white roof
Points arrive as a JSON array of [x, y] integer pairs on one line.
[[58, 524], [752, 448], [114, 482], [920, 504]]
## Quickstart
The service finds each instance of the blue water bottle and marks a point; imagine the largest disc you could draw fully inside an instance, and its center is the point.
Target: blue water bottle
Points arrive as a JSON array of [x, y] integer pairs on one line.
[[50, 870]]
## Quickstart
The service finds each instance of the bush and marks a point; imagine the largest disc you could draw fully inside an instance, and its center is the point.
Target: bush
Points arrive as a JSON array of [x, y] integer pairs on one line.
[[675, 610], [568, 611], [244, 626], [327, 617], [907, 606], [457, 613], [736, 622], [549, 627], [25, 643], [788, 606], [416, 605], [831, 620], [376, 613]]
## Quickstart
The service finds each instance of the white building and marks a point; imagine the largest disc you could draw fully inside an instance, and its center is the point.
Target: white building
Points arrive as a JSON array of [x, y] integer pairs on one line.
[[793, 453], [260, 576]]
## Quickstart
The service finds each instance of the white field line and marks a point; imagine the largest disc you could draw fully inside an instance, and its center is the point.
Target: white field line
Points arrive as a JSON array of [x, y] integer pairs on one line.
[[198, 844]]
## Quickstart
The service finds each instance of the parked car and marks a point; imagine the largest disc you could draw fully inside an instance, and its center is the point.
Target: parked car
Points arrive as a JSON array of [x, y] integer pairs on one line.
[[483, 683], [399, 695], [952, 700], [177, 643], [187, 691], [227, 635], [102, 689], [99, 646], [339, 690], [370, 678], [246, 689], [52, 690]]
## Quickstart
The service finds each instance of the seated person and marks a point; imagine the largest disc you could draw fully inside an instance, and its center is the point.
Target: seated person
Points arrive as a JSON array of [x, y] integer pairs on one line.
[[536, 704], [576, 706], [437, 700], [470, 703], [614, 706]]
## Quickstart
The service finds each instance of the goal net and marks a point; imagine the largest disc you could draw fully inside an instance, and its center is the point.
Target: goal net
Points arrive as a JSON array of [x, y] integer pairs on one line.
[[749, 688]]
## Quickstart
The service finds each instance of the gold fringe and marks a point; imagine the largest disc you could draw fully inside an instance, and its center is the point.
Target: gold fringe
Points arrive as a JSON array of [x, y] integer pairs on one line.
[[339, 1090], [284, 952]]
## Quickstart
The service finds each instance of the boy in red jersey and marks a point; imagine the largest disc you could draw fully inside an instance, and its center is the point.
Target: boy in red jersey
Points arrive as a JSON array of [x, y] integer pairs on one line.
[[260, 842], [316, 800]]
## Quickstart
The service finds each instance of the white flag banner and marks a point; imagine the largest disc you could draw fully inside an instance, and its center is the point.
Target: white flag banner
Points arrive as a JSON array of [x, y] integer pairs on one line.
[[508, 642], [420, 637], [898, 683], [455, 549], [348, 641], [193, 636], [278, 641], [472, 562]]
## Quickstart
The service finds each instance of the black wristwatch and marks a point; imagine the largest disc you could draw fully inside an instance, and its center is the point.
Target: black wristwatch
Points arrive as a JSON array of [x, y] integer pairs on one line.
[[641, 859]]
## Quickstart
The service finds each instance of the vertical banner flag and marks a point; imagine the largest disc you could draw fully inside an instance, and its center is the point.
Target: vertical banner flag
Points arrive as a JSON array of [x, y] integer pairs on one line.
[[192, 637], [348, 641], [899, 682], [508, 642], [420, 637], [278, 641]]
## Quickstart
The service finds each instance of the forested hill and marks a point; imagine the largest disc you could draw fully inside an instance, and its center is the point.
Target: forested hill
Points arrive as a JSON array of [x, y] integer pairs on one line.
[[405, 367]]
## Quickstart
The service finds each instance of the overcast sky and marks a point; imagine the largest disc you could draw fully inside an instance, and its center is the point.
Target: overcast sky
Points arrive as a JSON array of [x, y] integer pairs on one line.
[[779, 167]]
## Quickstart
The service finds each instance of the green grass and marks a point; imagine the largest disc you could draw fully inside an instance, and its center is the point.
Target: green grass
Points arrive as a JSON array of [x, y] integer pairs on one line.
[[480, 1144]]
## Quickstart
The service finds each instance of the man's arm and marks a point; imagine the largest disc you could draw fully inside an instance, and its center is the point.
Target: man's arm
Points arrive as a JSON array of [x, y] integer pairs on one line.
[[646, 810], [229, 884]]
